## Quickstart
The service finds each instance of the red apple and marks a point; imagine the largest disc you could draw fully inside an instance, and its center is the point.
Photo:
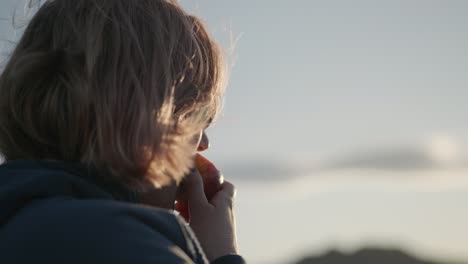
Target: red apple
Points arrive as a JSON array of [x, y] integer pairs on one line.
[[182, 207], [212, 177], [212, 183]]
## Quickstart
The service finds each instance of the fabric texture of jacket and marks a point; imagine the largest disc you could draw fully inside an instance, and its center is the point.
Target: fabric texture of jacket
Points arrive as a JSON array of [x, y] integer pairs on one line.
[[58, 212]]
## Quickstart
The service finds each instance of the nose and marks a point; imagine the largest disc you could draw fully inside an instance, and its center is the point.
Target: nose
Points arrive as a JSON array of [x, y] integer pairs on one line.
[[204, 142]]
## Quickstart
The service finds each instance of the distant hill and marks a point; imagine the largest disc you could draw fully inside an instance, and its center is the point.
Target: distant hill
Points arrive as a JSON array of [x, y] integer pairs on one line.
[[366, 256]]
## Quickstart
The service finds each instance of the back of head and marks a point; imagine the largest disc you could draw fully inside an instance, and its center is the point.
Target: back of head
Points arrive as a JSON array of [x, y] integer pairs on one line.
[[119, 85]]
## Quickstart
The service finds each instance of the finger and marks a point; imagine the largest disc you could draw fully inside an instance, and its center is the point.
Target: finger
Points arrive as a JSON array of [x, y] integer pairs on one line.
[[193, 185], [225, 196]]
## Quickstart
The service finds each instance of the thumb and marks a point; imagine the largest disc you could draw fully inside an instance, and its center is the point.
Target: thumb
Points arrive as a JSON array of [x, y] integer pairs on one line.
[[225, 196]]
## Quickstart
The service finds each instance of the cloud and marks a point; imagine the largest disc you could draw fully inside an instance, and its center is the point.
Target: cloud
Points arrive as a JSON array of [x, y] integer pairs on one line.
[[384, 160], [259, 171], [435, 154], [393, 159], [397, 159]]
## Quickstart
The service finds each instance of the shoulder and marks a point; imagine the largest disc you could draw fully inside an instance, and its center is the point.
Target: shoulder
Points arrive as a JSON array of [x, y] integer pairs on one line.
[[100, 231]]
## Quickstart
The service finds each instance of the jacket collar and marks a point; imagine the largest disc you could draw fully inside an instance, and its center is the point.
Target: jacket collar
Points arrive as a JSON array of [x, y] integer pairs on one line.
[[89, 174]]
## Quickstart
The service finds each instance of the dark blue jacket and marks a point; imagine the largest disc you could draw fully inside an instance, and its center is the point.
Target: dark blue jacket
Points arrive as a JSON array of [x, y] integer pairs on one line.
[[58, 212]]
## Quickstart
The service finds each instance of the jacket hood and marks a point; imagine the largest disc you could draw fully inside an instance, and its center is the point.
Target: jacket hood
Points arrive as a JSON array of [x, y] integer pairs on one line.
[[22, 181]]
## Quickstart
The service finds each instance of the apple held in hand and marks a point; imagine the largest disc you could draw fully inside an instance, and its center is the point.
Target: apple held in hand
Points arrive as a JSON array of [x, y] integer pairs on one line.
[[212, 183], [212, 177]]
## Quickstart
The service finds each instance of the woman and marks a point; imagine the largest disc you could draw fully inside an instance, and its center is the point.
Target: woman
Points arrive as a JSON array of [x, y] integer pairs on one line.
[[103, 105]]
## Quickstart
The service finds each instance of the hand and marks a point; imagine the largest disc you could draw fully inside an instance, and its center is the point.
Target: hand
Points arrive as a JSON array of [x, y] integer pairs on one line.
[[212, 183], [212, 221]]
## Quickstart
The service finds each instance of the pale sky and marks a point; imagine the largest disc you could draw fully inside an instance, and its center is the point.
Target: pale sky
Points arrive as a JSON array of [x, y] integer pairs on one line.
[[316, 78], [344, 123], [378, 86]]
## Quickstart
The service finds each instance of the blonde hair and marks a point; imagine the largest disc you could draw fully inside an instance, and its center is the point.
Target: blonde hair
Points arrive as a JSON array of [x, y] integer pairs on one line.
[[122, 86]]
